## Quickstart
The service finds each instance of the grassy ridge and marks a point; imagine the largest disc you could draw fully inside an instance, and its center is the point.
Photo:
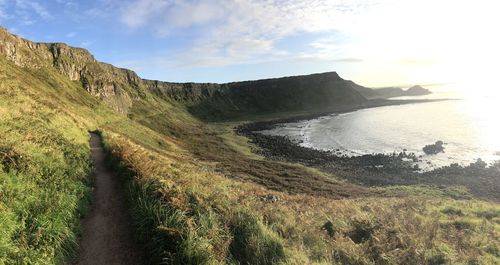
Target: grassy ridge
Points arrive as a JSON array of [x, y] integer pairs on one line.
[[44, 173], [199, 196], [187, 215], [45, 165]]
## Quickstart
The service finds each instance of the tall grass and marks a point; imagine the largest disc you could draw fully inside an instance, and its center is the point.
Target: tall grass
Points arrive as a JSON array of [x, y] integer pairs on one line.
[[44, 189], [185, 215], [253, 243], [193, 196], [163, 230], [177, 225], [45, 165]]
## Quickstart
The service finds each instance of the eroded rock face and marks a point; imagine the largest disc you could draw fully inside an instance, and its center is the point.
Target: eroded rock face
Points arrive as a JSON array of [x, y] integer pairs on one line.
[[112, 85], [220, 101], [118, 88], [19, 51], [70, 61]]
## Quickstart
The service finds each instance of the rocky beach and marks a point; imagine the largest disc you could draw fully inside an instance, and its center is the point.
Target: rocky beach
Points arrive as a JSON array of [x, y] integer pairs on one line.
[[372, 169]]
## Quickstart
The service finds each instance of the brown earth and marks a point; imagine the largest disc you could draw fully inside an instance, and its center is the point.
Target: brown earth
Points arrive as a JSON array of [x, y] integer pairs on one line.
[[107, 232]]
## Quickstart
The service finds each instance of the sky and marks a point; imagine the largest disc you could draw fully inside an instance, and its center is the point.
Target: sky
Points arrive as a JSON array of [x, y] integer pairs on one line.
[[372, 42]]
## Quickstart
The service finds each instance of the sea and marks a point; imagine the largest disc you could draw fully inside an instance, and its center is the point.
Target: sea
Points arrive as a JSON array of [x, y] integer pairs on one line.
[[468, 124]]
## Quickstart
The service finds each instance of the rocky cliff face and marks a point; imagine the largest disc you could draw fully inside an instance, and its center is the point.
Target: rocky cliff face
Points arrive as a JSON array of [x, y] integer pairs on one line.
[[187, 93], [220, 101], [106, 82], [119, 88]]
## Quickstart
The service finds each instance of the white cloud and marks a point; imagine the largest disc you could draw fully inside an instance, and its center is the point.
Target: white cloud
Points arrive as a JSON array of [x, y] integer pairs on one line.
[[3, 10], [24, 6], [240, 31], [68, 5], [25, 12], [86, 44], [139, 12], [425, 39], [71, 34]]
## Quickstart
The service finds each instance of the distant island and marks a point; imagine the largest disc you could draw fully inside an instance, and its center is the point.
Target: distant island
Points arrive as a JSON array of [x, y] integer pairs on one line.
[[417, 91], [390, 92]]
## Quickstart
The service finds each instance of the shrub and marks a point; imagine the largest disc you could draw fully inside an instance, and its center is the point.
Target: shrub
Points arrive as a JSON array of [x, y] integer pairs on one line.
[[362, 230], [452, 211], [253, 243], [488, 214]]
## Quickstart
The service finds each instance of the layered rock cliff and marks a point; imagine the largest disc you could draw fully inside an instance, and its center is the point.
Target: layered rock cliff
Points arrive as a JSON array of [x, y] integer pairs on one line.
[[111, 84], [219, 101], [120, 88]]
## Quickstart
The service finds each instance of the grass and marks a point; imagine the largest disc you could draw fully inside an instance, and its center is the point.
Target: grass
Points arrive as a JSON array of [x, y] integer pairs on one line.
[[44, 178], [377, 230], [196, 191], [253, 243]]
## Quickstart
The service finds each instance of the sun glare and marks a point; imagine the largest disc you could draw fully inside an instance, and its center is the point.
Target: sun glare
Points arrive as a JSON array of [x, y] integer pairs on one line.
[[429, 41], [468, 48]]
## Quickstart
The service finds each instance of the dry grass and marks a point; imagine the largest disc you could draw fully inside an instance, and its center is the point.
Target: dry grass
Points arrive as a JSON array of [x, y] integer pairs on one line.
[[198, 194], [375, 230], [44, 173]]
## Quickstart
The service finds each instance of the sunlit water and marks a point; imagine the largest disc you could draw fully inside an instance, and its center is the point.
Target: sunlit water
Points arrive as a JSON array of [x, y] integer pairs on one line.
[[469, 127]]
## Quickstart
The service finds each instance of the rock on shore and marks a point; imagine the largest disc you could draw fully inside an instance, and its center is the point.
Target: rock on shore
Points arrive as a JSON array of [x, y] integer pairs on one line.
[[434, 149]]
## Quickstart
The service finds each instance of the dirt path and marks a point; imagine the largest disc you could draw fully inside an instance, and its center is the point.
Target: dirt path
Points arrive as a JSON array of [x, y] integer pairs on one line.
[[107, 233]]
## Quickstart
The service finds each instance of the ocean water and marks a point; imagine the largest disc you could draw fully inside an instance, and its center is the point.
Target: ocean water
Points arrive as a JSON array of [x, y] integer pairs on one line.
[[469, 126]]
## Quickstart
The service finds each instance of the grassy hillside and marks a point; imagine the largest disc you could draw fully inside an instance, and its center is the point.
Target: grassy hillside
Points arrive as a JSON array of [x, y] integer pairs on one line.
[[317, 92], [45, 166], [197, 192]]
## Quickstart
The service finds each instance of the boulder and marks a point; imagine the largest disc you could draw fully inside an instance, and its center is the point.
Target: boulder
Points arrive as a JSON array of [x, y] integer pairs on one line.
[[434, 149]]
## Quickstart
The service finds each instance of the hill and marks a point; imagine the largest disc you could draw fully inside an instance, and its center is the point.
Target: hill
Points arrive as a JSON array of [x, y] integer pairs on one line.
[[318, 92], [118, 88], [390, 92], [197, 192]]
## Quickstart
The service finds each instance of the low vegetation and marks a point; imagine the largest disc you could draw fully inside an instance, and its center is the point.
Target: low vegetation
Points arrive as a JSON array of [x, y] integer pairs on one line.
[[45, 175], [210, 217], [198, 195]]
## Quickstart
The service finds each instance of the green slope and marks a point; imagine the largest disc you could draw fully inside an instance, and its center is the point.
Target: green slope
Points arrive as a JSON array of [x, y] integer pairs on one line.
[[197, 193], [45, 170]]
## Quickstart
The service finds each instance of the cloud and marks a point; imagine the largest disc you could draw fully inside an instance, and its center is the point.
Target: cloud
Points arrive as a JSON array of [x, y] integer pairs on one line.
[[68, 4], [243, 31], [71, 34], [389, 38], [138, 13], [100, 9], [25, 12], [326, 49], [3, 10], [24, 6], [86, 44]]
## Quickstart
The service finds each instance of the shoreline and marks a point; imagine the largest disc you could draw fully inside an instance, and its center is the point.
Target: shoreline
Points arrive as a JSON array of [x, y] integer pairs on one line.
[[372, 169], [265, 123]]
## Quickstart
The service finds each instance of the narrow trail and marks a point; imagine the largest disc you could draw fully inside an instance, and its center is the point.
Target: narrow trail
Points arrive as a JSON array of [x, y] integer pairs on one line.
[[107, 232]]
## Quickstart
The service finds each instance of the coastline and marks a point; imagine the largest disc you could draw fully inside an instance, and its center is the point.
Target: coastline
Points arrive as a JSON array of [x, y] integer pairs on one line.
[[372, 169], [266, 123]]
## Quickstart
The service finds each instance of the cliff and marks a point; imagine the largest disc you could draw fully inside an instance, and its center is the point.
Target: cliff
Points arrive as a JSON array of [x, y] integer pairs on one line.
[[116, 87], [391, 92], [219, 101], [120, 88]]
